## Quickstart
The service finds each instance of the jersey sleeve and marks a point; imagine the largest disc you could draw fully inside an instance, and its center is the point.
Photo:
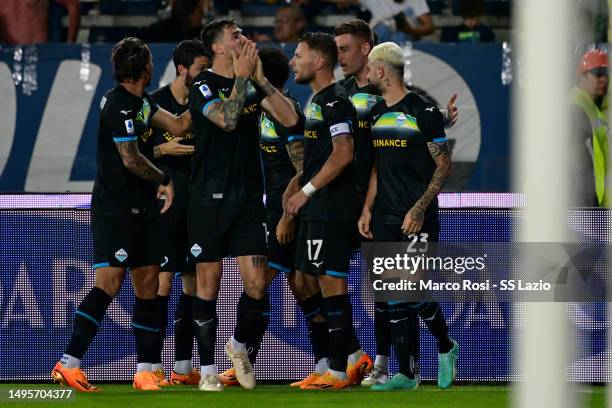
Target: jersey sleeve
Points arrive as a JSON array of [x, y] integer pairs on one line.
[[296, 132], [204, 94], [152, 103], [120, 117], [431, 123], [339, 114]]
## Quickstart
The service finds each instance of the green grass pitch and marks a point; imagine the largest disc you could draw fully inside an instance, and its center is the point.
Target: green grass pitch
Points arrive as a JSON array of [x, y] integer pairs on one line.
[[272, 396]]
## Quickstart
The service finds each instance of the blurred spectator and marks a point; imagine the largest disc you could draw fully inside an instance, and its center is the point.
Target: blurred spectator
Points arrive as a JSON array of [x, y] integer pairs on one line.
[[27, 21], [399, 20], [471, 30], [184, 23], [313, 8], [289, 24], [590, 142]]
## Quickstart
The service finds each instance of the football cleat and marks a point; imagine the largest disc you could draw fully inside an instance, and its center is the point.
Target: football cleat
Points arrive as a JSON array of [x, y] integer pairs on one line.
[[210, 382], [310, 378], [146, 381], [398, 382], [356, 372], [327, 381], [447, 366], [193, 378], [242, 366], [228, 378], [161, 377], [377, 376], [72, 377]]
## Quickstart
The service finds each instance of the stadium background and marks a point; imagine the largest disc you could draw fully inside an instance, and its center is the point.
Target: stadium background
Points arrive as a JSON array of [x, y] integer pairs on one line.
[[47, 144]]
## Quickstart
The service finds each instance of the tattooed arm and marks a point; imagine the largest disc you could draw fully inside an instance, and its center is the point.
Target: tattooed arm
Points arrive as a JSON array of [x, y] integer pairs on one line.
[[226, 114], [295, 150], [135, 162], [416, 215], [278, 105]]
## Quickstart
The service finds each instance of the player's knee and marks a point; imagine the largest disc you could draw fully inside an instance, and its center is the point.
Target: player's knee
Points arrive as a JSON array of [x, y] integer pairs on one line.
[[332, 286], [255, 288], [109, 282]]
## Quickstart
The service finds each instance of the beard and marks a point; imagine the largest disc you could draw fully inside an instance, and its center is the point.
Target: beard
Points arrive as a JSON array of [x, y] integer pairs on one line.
[[304, 80], [376, 87]]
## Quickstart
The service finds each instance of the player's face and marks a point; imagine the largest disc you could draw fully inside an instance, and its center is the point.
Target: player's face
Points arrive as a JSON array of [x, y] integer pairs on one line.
[[352, 54], [231, 41], [200, 64], [303, 64], [373, 74]]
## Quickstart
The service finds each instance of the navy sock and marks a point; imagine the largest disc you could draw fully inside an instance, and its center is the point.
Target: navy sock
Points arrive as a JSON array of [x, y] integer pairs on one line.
[[381, 329], [432, 315], [205, 326], [260, 326], [87, 320], [402, 321], [249, 311], [145, 326], [340, 322], [162, 304], [183, 328], [317, 331]]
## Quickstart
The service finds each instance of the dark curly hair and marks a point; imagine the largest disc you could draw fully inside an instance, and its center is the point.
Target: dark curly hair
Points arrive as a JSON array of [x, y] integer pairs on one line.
[[130, 58]]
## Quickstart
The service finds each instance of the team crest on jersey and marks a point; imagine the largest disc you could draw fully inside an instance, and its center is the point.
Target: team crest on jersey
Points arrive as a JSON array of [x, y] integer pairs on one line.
[[205, 90], [251, 91], [196, 250], [313, 111], [121, 255], [401, 118]]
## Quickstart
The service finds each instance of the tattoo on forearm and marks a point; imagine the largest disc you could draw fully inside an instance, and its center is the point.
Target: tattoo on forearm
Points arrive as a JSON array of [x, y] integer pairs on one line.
[[268, 88], [259, 261], [157, 152], [439, 153], [295, 151], [138, 164], [231, 109]]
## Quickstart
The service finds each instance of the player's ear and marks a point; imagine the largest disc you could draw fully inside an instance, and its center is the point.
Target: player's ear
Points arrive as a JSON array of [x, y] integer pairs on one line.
[[319, 62], [365, 48], [217, 49]]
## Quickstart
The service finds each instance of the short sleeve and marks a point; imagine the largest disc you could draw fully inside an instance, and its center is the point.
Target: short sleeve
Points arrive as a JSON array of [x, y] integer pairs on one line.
[[120, 117], [296, 132], [204, 94], [339, 115], [431, 123]]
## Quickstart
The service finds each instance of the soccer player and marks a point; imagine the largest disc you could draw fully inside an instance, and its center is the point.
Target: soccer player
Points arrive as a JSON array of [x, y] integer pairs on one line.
[[124, 214], [173, 155], [326, 202], [226, 214], [282, 153], [411, 164], [354, 39]]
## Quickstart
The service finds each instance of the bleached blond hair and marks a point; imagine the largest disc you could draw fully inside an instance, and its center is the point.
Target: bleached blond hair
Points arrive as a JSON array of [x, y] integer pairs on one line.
[[390, 54]]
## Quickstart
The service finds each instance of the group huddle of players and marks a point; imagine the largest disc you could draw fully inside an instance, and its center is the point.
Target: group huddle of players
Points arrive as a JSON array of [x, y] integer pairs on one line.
[[365, 160]]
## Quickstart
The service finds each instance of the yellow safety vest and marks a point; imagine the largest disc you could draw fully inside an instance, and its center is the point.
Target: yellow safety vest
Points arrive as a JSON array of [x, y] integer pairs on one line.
[[599, 125]]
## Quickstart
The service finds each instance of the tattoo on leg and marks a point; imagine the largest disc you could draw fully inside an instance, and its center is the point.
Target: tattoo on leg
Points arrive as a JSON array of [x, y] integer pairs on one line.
[[259, 261]]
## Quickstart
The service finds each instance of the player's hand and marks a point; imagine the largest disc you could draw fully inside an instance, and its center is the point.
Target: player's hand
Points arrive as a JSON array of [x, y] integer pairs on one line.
[[364, 224], [246, 62], [296, 202], [413, 221], [168, 192], [258, 75], [292, 188], [285, 229], [452, 113], [175, 148]]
